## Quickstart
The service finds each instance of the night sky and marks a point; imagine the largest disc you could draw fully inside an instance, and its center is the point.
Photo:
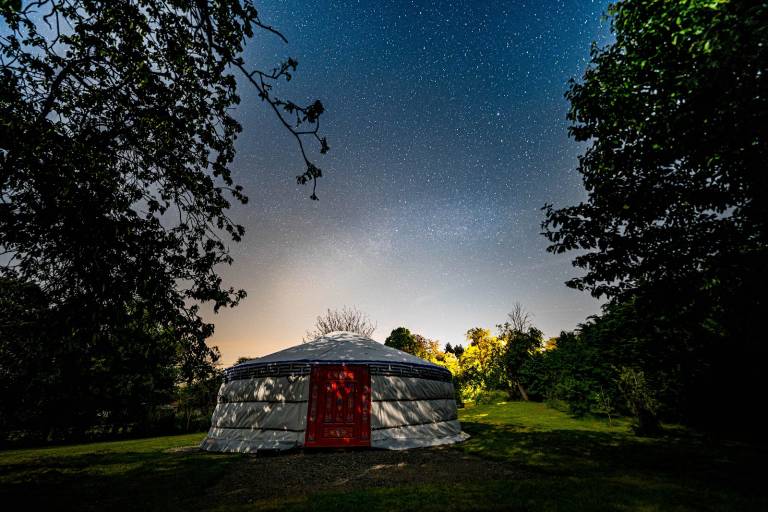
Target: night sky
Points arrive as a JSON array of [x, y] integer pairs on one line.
[[448, 133]]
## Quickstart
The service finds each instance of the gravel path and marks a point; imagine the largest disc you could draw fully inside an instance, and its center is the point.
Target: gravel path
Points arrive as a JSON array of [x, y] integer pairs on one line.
[[306, 472]]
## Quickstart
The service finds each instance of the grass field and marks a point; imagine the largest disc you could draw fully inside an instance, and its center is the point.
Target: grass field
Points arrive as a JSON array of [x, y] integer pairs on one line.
[[521, 455]]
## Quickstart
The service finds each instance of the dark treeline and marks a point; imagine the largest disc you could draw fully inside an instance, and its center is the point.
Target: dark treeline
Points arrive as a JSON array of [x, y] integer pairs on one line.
[[116, 144], [674, 230], [141, 379], [616, 363]]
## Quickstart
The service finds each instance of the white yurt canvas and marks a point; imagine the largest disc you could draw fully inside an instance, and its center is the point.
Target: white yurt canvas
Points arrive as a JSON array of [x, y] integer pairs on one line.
[[339, 390]]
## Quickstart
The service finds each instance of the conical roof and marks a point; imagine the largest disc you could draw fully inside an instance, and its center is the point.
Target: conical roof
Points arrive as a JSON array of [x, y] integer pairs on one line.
[[342, 347], [338, 348]]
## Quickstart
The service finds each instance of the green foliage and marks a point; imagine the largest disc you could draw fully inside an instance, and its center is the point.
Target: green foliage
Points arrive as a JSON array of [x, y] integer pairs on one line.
[[675, 110], [576, 393], [402, 339], [447, 361], [116, 140], [60, 390], [425, 348], [428, 349], [27, 366], [10, 6], [613, 364], [482, 364], [674, 230], [572, 372], [535, 375], [195, 403], [640, 401], [520, 347], [584, 369]]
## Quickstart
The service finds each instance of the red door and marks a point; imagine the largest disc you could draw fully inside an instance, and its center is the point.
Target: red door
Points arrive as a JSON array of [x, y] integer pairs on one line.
[[339, 412]]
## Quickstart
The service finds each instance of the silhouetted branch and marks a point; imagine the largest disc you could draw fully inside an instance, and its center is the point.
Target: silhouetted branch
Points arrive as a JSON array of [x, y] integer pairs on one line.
[[346, 319]]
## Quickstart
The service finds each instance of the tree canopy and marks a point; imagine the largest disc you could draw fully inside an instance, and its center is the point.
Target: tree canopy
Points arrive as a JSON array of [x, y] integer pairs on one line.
[[116, 140], [402, 339], [674, 230], [675, 113]]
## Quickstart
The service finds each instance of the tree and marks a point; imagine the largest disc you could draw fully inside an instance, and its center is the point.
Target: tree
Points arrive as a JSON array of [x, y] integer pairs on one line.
[[479, 336], [402, 339], [518, 319], [448, 361], [583, 368], [25, 365], [676, 115], [579, 371], [675, 110], [427, 348], [195, 402], [57, 387], [521, 340], [116, 139], [482, 362], [448, 348], [520, 347], [346, 319]]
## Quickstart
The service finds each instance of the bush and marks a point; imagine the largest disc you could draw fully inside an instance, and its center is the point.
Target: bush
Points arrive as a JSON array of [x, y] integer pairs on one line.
[[492, 396], [640, 400], [576, 393], [468, 390]]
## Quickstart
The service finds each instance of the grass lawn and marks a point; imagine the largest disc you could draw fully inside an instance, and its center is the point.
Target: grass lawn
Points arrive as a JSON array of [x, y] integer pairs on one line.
[[521, 455]]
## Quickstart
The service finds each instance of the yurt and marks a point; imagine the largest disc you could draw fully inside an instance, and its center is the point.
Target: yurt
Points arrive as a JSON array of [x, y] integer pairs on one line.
[[340, 390]]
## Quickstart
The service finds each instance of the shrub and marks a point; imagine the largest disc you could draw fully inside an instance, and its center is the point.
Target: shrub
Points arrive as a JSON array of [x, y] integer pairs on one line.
[[640, 401], [492, 396]]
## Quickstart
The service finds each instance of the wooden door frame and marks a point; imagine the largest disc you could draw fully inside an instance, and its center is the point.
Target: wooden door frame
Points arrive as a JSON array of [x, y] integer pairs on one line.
[[362, 414]]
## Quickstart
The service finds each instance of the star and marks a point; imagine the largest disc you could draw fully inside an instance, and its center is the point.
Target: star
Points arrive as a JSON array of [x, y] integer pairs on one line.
[[447, 128]]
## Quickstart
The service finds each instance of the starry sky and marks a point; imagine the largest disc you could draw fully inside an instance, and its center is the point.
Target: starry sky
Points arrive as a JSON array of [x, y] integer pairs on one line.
[[447, 128]]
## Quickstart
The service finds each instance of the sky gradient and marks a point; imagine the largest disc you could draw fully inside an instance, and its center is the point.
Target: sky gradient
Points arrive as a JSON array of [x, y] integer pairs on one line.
[[448, 133]]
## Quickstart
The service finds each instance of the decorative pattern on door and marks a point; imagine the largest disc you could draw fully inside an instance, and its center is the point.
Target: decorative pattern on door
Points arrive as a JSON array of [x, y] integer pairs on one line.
[[339, 412]]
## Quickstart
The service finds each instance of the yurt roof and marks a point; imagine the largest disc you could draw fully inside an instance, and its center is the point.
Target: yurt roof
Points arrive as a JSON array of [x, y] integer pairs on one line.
[[335, 347], [341, 346]]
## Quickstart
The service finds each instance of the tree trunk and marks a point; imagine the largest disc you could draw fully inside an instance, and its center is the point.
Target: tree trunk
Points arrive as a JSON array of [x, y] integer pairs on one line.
[[522, 391]]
